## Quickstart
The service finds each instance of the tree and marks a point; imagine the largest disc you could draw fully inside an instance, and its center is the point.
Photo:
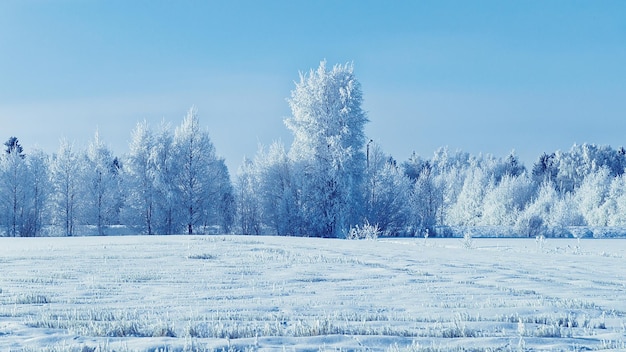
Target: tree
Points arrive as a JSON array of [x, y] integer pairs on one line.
[[617, 201], [221, 210], [426, 201], [328, 126], [276, 189], [65, 178], [140, 174], [545, 169], [505, 201], [387, 191], [537, 217], [14, 147], [592, 197], [100, 186], [166, 218], [38, 192], [13, 186], [511, 167], [195, 154], [248, 199], [468, 209]]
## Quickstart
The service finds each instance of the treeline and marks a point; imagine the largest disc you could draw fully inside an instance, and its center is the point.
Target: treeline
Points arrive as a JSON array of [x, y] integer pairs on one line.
[[583, 187], [171, 181], [452, 192], [331, 179]]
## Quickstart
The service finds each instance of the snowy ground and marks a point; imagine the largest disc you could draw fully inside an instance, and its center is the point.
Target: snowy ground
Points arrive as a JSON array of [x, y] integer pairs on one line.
[[276, 293]]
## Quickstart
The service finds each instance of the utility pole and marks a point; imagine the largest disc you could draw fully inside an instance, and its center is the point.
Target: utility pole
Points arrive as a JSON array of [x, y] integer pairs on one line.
[[367, 153]]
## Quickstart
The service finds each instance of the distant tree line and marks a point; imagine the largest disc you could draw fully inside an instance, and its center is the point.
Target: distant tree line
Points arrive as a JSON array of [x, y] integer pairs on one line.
[[170, 182], [331, 179]]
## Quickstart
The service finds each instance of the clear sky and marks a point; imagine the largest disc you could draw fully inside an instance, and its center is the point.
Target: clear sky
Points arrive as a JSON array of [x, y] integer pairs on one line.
[[479, 76]]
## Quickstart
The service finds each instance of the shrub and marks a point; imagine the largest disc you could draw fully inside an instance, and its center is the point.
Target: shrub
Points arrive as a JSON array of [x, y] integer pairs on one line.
[[367, 231], [467, 241]]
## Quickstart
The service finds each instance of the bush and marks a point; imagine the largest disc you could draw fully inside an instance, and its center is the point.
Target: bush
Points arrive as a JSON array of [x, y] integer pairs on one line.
[[531, 226], [467, 241], [367, 231]]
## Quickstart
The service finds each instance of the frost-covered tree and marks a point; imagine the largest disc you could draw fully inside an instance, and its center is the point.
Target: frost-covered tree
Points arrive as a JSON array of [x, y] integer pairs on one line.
[[505, 201], [166, 217], [14, 147], [426, 201], [328, 127], [195, 156], [140, 179], [592, 197], [566, 212], [13, 187], [38, 192], [582, 160], [387, 193], [449, 172], [431, 185], [100, 186], [248, 199], [468, 208], [617, 201], [537, 217], [545, 169], [221, 209], [65, 171], [276, 190], [513, 166]]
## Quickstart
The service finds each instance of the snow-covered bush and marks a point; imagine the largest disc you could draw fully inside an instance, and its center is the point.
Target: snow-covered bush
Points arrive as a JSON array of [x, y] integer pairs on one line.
[[367, 231], [467, 241]]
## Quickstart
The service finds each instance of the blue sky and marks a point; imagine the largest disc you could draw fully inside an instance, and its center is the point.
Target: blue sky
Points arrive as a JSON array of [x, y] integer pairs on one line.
[[480, 76]]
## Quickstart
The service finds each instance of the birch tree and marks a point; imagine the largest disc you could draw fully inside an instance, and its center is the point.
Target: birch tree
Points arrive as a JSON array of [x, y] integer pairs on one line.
[[328, 127], [195, 154], [65, 178]]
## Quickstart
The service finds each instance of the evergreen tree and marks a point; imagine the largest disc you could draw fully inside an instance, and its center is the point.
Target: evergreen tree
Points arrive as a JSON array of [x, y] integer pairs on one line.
[[13, 147]]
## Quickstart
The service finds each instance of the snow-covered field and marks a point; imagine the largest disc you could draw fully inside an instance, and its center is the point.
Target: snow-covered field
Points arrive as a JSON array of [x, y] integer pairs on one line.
[[276, 293]]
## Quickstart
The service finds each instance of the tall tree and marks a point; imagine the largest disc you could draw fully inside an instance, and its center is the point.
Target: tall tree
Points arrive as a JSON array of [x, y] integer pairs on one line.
[[13, 186], [592, 197], [100, 186], [65, 178], [140, 175], [248, 199], [220, 211], [166, 219], [276, 190], [328, 126], [38, 192], [426, 200], [196, 156], [387, 192]]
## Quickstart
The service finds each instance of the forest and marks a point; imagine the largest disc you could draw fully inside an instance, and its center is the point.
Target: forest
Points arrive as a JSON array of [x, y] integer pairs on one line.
[[331, 179]]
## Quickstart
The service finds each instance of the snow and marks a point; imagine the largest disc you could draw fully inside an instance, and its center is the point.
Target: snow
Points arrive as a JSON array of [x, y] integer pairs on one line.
[[273, 293]]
